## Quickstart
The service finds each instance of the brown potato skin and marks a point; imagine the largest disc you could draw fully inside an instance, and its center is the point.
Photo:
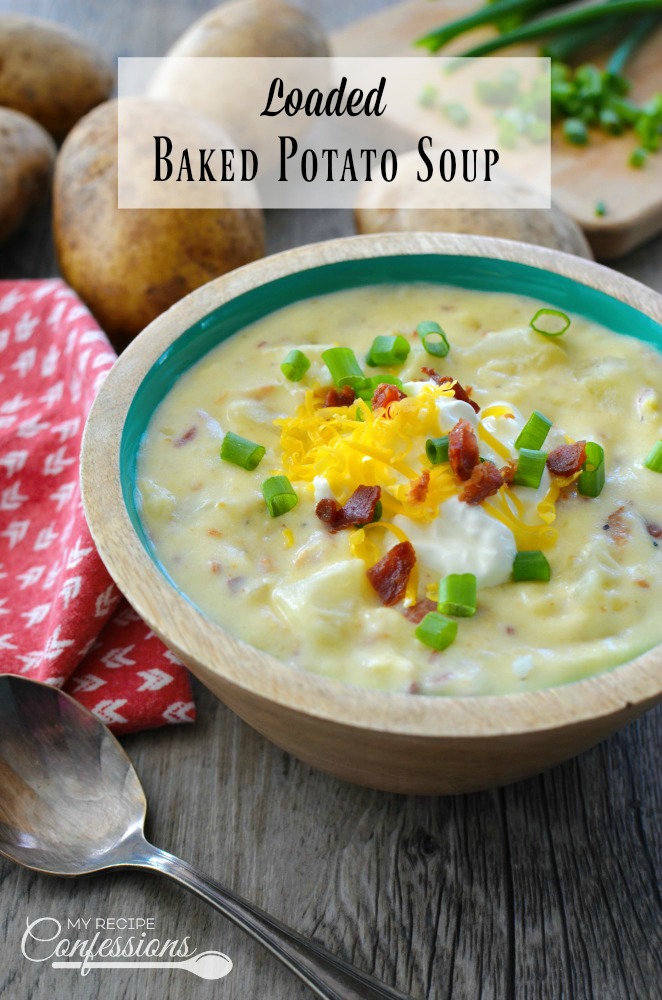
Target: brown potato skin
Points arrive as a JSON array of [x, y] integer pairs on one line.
[[27, 155], [130, 265], [50, 73], [253, 28]]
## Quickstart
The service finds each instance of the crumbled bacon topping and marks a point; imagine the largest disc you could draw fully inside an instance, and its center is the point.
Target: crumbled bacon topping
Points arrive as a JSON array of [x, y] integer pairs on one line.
[[458, 391], [463, 453], [385, 394], [485, 481], [419, 490], [417, 612], [185, 437], [654, 530], [619, 529], [359, 509], [390, 575], [340, 397], [567, 459], [508, 472]]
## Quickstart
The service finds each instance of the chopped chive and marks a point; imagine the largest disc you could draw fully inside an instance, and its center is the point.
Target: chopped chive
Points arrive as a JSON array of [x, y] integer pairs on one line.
[[534, 432], [344, 368], [555, 314], [437, 450], [456, 113], [531, 564], [240, 451], [653, 460], [457, 595], [379, 510], [638, 158], [436, 631], [530, 467], [433, 338], [388, 350], [600, 209], [575, 131], [592, 477], [278, 495], [295, 365]]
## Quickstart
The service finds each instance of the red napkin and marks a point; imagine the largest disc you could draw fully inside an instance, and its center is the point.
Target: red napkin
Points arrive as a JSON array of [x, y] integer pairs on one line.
[[62, 620]]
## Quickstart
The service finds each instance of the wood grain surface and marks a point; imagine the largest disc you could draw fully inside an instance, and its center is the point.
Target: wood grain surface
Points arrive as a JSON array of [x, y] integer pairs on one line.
[[545, 890]]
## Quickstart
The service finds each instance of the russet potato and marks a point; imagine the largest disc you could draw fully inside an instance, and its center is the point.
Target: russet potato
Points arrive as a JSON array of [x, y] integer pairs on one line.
[[131, 264], [50, 73], [27, 155], [547, 227]]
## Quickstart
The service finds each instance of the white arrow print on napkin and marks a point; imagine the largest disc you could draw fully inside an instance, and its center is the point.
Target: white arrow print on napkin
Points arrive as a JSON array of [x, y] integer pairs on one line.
[[118, 658], [179, 711], [155, 679], [87, 683], [107, 712]]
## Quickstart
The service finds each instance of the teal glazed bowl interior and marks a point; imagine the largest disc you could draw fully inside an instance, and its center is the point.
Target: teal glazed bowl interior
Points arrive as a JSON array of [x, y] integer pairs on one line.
[[476, 273], [393, 742]]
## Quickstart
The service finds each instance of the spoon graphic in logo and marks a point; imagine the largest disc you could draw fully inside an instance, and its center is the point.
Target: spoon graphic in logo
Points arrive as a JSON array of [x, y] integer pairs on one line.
[[207, 965]]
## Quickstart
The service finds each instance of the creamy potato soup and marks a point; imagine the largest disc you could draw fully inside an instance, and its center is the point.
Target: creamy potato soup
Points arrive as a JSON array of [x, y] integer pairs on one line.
[[452, 503]]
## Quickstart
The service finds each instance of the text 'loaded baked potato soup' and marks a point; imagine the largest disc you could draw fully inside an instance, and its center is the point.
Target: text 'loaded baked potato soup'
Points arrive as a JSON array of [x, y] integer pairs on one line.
[[417, 488]]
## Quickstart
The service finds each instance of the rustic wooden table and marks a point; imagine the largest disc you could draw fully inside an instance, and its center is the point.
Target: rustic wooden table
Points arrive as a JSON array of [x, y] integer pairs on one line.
[[547, 889]]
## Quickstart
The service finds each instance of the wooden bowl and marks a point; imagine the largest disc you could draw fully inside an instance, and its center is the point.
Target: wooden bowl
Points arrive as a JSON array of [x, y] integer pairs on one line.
[[402, 743]]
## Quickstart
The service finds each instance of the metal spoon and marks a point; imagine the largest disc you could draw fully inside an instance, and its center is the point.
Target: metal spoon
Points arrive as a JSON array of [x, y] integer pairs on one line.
[[71, 803]]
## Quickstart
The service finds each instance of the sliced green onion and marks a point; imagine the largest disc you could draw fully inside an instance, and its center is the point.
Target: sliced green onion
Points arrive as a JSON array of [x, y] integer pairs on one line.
[[344, 368], [436, 631], [534, 432], [531, 565], [530, 467], [575, 131], [437, 450], [379, 510], [279, 495], [241, 451], [600, 209], [295, 365], [433, 338], [638, 158], [388, 350], [556, 314], [653, 460], [592, 477], [457, 595]]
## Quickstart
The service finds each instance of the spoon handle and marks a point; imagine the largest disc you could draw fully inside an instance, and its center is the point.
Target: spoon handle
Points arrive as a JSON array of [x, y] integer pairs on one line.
[[327, 976]]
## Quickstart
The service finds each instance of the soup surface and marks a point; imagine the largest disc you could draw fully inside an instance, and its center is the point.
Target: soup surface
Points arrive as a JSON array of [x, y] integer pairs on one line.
[[322, 590]]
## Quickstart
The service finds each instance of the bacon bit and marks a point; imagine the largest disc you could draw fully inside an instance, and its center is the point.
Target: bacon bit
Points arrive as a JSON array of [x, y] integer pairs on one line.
[[235, 583], [414, 688], [214, 566], [567, 459], [390, 575], [417, 612], [340, 397], [485, 481], [508, 471], [185, 437], [618, 526], [643, 583], [359, 509], [510, 630], [385, 394], [458, 391], [214, 532], [463, 453], [419, 490], [654, 530], [263, 343]]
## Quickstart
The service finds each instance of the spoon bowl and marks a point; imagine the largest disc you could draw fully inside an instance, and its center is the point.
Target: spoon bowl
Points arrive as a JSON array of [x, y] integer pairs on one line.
[[71, 803]]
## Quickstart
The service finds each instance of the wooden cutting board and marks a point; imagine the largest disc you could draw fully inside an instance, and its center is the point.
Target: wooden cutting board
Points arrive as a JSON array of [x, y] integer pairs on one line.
[[581, 176]]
